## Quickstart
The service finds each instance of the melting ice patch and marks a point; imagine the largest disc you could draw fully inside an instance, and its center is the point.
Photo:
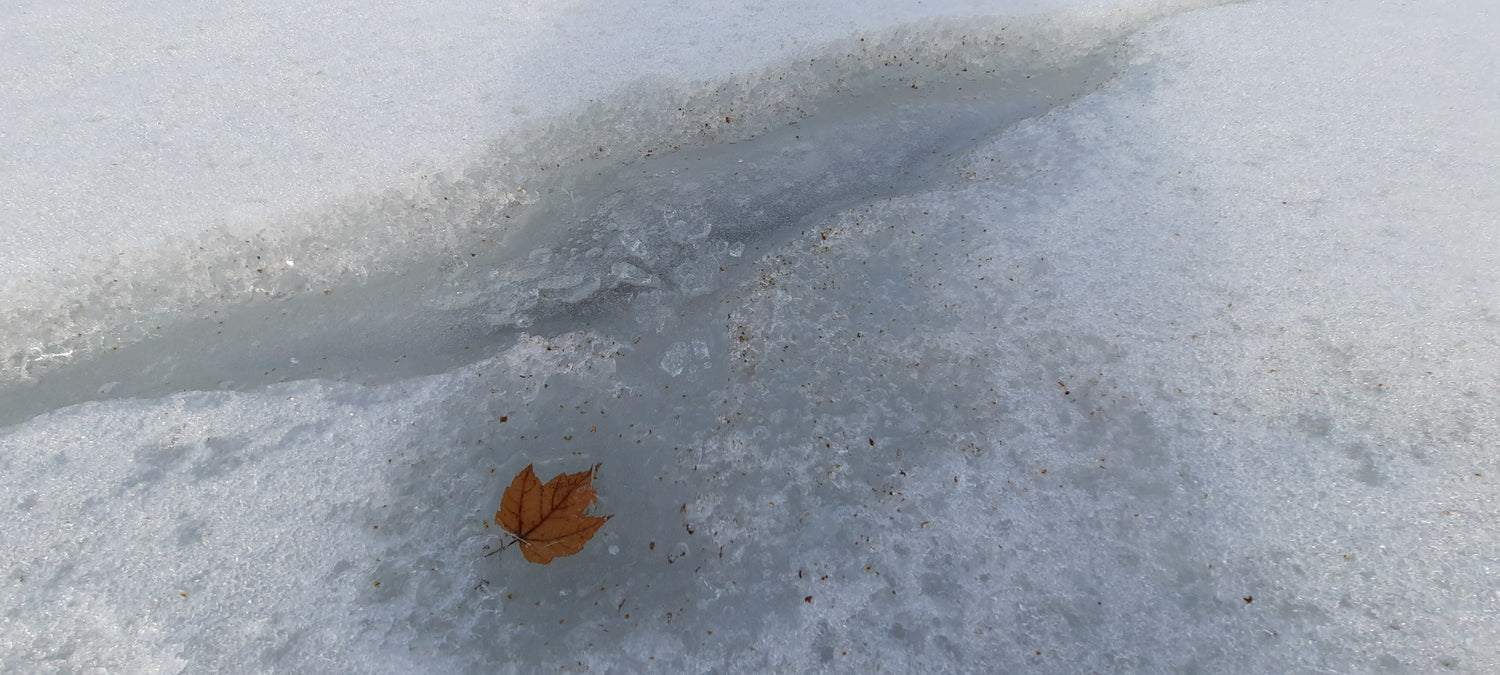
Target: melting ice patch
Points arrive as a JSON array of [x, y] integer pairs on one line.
[[586, 236]]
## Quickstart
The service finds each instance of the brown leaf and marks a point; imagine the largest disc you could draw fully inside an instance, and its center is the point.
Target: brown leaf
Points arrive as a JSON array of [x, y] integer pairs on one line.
[[548, 520]]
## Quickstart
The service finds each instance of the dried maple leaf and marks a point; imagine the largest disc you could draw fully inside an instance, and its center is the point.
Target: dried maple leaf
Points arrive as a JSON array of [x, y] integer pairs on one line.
[[549, 520]]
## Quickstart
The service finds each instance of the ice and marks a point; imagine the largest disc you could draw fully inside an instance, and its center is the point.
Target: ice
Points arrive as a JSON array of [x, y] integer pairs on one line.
[[675, 359], [1056, 337], [682, 356]]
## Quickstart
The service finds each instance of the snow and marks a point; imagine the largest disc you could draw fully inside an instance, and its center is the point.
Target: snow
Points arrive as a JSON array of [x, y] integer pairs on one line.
[[1129, 336]]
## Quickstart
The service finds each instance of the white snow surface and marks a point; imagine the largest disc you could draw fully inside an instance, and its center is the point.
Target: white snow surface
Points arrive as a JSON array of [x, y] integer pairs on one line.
[[938, 337]]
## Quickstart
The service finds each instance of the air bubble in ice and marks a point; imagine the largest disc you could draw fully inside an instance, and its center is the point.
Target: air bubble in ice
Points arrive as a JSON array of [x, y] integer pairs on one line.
[[626, 274], [569, 287], [696, 277], [684, 231], [675, 359], [700, 349], [681, 353]]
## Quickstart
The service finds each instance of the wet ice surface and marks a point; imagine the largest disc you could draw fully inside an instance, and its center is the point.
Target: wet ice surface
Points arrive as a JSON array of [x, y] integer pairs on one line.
[[1194, 373], [664, 227]]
